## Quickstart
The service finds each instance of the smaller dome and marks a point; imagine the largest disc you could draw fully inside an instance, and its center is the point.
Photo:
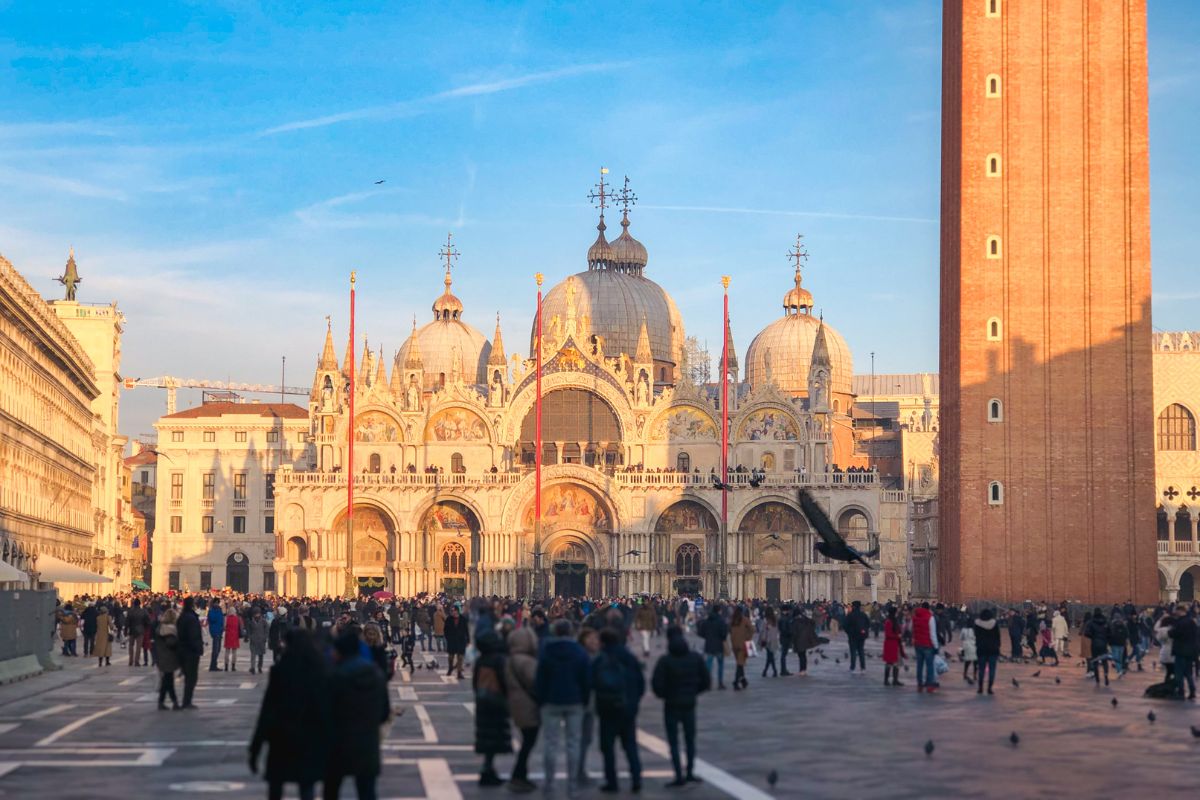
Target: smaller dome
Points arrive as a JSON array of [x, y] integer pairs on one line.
[[600, 255], [628, 254], [797, 298], [447, 306]]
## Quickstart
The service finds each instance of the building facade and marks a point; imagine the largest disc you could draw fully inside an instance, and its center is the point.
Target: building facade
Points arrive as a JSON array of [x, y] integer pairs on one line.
[[445, 485], [47, 435], [142, 464], [1177, 463], [215, 497], [1045, 265]]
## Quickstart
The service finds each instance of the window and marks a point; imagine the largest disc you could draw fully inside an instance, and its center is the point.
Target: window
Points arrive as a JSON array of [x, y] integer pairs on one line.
[[176, 485], [272, 436], [836, 405], [1176, 429], [993, 165], [205, 580], [145, 477], [993, 247], [993, 86], [176, 436], [376, 462], [239, 523], [687, 561], [456, 462], [993, 329], [270, 486], [176, 524], [239, 436], [239, 486], [683, 462], [454, 559], [206, 524], [210, 436], [209, 485], [268, 580], [301, 437], [173, 580], [995, 410], [995, 493], [268, 524], [789, 460], [993, 8]]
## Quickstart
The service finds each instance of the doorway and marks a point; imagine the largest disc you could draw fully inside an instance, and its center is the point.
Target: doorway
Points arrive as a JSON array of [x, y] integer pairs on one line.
[[237, 573], [772, 590], [570, 578]]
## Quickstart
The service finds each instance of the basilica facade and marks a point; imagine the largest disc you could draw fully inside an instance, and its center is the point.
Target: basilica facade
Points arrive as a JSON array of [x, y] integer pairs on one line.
[[444, 478]]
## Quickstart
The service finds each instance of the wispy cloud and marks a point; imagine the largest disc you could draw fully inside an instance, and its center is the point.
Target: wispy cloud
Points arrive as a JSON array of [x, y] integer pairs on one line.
[[56, 183], [790, 213], [332, 213], [422, 105]]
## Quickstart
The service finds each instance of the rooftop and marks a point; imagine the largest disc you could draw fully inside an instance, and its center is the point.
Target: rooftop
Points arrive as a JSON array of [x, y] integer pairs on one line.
[[222, 409]]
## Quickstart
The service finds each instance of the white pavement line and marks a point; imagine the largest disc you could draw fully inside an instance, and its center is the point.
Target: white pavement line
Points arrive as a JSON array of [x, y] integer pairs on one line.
[[405, 676], [409, 744], [45, 712], [247, 685], [74, 726], [6, 768], [470, 708], [132, 681], [714, 776], [5, 727], [427, 729], [155, 756], [437, 779], [407, 693], [225, 701]]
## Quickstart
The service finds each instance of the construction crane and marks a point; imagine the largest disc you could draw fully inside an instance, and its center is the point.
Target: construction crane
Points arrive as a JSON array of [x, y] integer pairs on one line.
[[171, 384]]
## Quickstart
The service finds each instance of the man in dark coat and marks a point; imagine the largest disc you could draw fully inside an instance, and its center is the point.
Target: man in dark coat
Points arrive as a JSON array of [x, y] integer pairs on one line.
[[358, 697], [88, 618], [457, 635], [714, 630], [191, 648], [216, 629], [1016, 633], [858, 627], [135, 626], [618, 686], [492, 733], [679, 677], [785, 638], [1185, 646]]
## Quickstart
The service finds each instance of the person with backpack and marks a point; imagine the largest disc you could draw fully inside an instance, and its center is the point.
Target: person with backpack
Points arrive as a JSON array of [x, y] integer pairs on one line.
[[562, 688], [1118, 638], [617, 686], [166, 645], [679, 677], [520, 676], [714, 631]]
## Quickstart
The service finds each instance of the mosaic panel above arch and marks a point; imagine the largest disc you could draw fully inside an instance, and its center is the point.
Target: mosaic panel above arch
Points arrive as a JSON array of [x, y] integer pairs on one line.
[[773, 517], [446, 518], [686, 515], [568, 505], [684, 423], [456, 425], [375, 427], [769, 425]]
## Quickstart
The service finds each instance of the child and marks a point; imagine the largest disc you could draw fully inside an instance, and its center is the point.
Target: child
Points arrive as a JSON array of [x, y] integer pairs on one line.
[[1046, 644], [407, 644]]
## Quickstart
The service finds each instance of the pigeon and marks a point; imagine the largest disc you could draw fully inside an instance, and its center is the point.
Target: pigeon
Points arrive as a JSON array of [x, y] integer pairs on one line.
[[1016, 683], [772, 778], [837, 661], [906, 667], [724, 487], [384, 180], [1036, 674], [1196, 732], [929, 744], [1151, 716], [1114, 702], [1014, 738]]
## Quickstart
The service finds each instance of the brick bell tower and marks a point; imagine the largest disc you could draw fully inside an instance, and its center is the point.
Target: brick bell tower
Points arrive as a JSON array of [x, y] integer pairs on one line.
[[1047, 487]]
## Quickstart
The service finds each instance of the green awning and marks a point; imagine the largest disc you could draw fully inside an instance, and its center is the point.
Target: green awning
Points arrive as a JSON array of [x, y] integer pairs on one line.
[[137, 584]]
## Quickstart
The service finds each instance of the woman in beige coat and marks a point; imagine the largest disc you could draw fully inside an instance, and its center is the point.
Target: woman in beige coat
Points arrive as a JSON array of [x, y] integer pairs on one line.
[[520, 678], [103, 649]]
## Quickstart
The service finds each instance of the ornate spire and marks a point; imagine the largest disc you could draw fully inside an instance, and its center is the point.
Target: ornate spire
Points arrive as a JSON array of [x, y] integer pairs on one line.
[[798, 298], [820, 353], [730, 351], [397, 383], [381, 379], [348, 361], [628, 254], [412, 359], [368, 358], [644, 354], [328, 359], [448, 307], [496, 359]]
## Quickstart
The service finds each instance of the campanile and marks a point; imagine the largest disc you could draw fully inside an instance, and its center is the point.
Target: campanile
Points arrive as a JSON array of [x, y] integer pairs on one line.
[[1047, 487]]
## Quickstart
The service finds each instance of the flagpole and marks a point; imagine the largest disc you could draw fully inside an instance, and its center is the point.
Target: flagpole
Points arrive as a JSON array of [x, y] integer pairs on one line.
[[538, 590], [723, 587], [351, 589]]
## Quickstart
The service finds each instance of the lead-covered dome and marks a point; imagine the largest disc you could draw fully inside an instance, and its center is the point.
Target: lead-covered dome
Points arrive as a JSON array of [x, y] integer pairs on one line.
[[447, 348]]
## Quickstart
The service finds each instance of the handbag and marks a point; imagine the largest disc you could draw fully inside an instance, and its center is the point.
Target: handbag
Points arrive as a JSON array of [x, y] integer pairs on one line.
[[939, 665]]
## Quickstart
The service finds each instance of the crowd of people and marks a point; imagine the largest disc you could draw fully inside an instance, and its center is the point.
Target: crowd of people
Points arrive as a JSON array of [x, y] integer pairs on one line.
[[565, 671]]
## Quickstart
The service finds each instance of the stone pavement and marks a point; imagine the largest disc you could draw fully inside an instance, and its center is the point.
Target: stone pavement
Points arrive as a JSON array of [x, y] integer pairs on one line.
[[87, 732]]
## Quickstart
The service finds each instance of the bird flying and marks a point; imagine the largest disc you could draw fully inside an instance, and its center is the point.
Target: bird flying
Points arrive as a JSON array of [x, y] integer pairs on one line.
[[832, 545], [383, 180]]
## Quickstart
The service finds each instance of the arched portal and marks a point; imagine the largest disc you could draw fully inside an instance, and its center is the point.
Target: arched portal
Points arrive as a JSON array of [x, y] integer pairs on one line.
[[452, 532], [372, 548], [297, 553], [571, 560], [1188, 582], [696, 522], [237, 572]]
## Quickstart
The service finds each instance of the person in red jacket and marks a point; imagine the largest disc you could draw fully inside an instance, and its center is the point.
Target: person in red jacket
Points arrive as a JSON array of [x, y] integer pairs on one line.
[[893, 648], [233, 637], [925, 641]]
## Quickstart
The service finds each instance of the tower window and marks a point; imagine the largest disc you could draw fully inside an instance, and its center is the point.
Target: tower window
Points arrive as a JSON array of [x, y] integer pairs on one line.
[[993, 329], [993, 165], [993, 8], [995, 410], [993, 247], [995, 493], [993, 86]]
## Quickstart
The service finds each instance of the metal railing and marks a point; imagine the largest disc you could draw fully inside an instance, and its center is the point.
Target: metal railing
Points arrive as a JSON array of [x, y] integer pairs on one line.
[[700, 480]]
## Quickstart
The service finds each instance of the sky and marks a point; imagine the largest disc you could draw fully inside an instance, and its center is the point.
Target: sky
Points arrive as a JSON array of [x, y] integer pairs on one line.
[[215, 166]]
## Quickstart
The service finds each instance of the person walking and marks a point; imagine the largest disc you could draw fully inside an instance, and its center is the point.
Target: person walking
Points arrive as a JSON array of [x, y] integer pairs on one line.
[[258, 632], [276, 634], [456, 633], [925, 641], [68, 630], [1016, 633], [987, 646], [216, 630], [358, 697], [741, 632], [1061, 633], [102, 649], [520, 679], [438, 625], [562, 689], [136, 622], [166, 658], [768, 639], [804, 638], [893, 647], [786, 618], [191, 648], [1097, 633], [233, 637], [492, 734], [618, 686], [970, 656], [88, 618], [714, 631], [294, 719], [646, 622], [679, 677], [1185, 647], [858, 627], [1118, 639]]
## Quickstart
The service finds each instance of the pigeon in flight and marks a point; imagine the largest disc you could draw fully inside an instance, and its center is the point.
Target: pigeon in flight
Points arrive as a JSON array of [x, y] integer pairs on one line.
[[383, 180], [832, 545]]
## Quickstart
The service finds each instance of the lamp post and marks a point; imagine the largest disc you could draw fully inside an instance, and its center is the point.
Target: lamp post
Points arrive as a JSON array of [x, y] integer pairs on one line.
[[538, 588], [351, 591], [723, 584]]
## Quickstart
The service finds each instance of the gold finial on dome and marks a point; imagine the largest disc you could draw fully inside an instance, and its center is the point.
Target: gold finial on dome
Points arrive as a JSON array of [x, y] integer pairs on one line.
[[448, 307], [798, 298]]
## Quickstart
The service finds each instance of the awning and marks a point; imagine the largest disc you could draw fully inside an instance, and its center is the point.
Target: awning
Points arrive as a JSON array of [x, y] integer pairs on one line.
[[55, 570], [10, 573]]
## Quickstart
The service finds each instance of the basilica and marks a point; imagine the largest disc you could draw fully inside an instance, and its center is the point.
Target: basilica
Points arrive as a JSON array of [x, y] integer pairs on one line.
[[444, 456]]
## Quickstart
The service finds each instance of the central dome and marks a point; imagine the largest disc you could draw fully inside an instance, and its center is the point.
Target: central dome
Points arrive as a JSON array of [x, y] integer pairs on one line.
[[447, 347]]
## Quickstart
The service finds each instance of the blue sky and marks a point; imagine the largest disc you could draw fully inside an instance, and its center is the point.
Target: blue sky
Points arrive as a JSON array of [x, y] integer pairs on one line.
[[213, 165]]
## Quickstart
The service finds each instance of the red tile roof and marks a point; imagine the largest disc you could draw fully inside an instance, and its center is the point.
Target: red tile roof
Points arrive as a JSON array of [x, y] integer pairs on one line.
[[223, 408], [144, 457]]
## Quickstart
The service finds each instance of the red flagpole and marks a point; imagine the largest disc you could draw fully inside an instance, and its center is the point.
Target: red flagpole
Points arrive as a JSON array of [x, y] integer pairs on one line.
[[723, 588], [537, 454], [351, 589]]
